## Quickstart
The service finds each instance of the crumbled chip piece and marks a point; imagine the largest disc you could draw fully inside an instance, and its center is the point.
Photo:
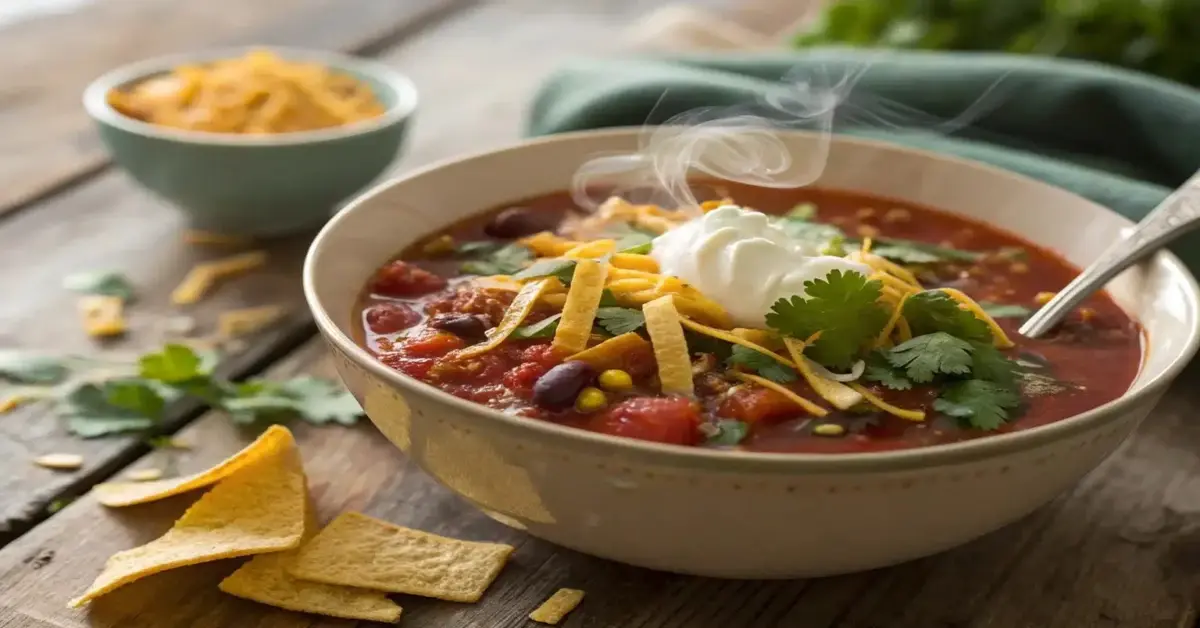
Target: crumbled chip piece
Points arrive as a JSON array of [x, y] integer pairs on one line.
[[203, 276], [144, 475], [210, 238], [257, 510], [358, 551], [60, 462], [557, 606], [103, 316], [116, 494], [246, 321], [264, 579]]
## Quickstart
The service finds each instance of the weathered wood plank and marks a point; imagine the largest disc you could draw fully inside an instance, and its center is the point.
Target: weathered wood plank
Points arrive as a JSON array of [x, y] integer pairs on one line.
[[48, 140], [1118, 551], [109, 223]]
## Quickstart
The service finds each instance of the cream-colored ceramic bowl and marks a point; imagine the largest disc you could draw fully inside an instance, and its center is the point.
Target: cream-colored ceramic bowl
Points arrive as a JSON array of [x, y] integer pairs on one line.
[[726, 514]]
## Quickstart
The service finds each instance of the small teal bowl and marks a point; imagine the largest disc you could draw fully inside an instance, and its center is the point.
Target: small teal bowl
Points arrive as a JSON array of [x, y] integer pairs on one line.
[[256, 185]]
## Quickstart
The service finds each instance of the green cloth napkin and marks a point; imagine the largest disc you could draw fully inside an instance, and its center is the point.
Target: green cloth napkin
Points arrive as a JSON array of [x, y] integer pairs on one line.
[[1119, 138]]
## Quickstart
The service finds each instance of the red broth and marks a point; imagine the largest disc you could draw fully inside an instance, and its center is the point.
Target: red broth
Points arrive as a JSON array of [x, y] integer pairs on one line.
[[1092, 359]]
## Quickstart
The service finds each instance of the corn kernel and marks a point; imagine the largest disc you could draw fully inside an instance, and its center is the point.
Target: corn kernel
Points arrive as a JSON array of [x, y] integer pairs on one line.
[[590, 400], [1087, 314], [441, 245], [864, 212], [829, 429], [1019, 268], [615, 380], [897, 215], [1043, 298]]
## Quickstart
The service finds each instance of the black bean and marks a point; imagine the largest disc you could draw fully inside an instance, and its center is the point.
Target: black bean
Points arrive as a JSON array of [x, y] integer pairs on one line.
[[516, 222], [561, 384], [465, 326]]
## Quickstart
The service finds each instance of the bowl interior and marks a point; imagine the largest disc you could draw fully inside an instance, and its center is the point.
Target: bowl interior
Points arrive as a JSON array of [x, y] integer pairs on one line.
[[395, 92], [1160, 293]]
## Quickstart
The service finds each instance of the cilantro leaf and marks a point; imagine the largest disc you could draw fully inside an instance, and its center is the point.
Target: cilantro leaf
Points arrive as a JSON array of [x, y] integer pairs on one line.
[[477, 248], [943, 253], [933, 310], [100, 282], [544, 328], [563, 269], [803, 211], [608, 299], [89, 414], [506, 260], [175, 364], [977, 403], [137, 396], [815, 233], [700, 343], [728, 432], [925, 357], [989, 364], [638, 242], [620, 320], [31, 368], [843, 307], [881, 371], [1001, 310], [321, 401], [763, 364], [906, 254]]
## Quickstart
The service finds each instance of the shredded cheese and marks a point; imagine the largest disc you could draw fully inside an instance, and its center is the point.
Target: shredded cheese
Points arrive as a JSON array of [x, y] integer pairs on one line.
[[838, 394], [760, 337], [520, 307], [103, 316], [911, 415], [203, 276], [610, 353], [579, 309], [670, 347], [735, 339], [807, 405], [1000, 338], [897, 313]]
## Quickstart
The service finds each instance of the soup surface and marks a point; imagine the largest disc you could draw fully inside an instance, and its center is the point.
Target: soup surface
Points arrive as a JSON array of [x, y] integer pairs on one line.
[[916, 347]]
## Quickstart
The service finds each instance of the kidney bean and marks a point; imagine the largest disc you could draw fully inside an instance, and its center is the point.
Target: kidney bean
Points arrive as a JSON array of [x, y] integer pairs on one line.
[[516, 222], [561, 384], [465, 326]]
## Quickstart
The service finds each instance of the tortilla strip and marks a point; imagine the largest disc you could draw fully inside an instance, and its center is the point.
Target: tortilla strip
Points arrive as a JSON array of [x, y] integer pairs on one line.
[[579, 310], [670, 346]]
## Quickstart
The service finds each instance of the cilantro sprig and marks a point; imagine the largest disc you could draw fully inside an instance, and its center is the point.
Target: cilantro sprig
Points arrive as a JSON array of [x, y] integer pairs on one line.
[[760, 363], [488, 260], [842, 307], [926, 357], [620, 320], [933, 311], [982, 404], [138, 402]]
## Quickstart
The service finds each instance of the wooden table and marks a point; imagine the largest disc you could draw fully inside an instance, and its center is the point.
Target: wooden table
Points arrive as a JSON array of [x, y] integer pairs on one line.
[[1122, 550]]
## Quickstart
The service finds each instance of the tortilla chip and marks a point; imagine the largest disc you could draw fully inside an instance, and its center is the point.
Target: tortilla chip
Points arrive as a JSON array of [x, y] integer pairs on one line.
[[117, 494], [358, 551], [557, 606], [520, 307], [670, 346], [579, 311], [264, 579], [259, 509], [611, 353]]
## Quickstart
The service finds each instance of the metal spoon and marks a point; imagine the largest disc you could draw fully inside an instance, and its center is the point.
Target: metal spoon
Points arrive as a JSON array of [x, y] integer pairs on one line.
[[1178, 214]]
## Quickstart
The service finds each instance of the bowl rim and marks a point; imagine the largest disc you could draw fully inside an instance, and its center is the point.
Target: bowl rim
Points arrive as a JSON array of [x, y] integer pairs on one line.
[[95, 100], [738, 461]]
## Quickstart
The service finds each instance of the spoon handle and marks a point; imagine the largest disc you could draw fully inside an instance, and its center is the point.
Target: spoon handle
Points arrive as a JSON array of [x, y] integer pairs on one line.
[[1175, 216]]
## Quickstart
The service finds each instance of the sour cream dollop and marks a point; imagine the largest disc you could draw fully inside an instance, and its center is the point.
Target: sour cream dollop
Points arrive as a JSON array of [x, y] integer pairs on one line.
[[740, 260]]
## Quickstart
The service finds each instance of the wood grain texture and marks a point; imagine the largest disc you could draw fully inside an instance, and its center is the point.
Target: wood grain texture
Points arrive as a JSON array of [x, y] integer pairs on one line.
[[46, 62], [110, 223], [1121, 550]]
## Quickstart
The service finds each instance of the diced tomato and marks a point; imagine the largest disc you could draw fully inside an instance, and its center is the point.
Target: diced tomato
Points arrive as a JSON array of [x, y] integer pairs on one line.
[[402, 279], [389, 318], [431, 344], [757, 404], [480, 370], [658, 419], [521, 379], [417, 368], [542, 354]]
